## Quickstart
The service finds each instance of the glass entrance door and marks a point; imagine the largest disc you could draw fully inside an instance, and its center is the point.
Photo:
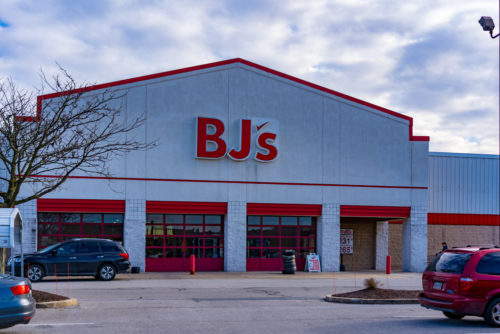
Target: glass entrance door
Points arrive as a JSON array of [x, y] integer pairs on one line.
[[269, 236], [172, 238]]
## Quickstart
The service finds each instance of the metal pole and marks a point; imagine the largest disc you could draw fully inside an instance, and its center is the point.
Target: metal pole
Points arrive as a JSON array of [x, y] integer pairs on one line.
[[22, 253], [12, 273]]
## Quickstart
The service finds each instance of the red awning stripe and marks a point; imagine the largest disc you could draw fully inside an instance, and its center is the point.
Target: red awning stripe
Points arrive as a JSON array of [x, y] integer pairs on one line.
[[219, 208], [375, 211], [80, 205], [462, 219], [276, 209]]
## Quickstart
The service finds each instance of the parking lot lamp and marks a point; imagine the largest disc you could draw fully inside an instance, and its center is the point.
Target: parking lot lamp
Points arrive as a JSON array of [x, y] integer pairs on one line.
[[488, 25]]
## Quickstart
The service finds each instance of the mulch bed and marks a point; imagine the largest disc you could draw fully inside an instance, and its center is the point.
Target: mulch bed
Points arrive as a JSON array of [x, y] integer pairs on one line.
[[42, 296], [377, 293]]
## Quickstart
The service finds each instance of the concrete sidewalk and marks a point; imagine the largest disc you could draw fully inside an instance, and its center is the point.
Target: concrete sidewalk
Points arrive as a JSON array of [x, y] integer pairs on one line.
[[342, 281], [271, 275]]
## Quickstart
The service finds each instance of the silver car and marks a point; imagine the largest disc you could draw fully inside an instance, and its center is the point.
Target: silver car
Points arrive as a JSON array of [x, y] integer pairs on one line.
[[17, 305]]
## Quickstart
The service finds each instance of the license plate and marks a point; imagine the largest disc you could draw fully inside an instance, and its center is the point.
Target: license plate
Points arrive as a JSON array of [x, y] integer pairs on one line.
[[437, 285]]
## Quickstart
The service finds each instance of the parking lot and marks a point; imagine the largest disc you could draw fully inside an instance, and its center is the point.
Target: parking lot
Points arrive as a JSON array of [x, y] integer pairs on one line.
[[234, 303]]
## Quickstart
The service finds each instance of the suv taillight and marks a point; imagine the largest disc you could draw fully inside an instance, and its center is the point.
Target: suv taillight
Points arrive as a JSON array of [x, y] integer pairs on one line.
[[20, 289], [466, 283], [124, 255]]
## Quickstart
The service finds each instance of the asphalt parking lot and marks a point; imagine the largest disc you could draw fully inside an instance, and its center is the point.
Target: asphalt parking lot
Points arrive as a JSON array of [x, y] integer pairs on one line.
[[235, 303]]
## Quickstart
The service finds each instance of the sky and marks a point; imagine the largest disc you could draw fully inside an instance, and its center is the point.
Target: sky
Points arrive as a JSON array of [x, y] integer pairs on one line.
[[427, 59]]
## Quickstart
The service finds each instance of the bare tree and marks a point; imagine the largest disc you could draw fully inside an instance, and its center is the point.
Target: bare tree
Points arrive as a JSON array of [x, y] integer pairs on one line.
[[73, 129]]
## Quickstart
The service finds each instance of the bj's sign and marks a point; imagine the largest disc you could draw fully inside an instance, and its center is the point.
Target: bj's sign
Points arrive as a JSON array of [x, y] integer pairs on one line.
[[257, 135]]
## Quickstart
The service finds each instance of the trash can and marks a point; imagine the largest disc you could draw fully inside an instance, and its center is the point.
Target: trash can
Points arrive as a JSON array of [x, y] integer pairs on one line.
[[289, 266]]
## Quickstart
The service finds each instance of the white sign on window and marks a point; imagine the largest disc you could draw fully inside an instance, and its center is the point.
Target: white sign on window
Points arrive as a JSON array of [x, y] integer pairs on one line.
[[346, 241]]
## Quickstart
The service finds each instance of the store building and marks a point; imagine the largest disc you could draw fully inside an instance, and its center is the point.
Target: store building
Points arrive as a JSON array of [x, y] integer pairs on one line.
[[251, 162]]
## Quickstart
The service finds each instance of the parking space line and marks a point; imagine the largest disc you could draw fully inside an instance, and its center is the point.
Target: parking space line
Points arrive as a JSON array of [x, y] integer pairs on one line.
[[416, 316], [64, 324]]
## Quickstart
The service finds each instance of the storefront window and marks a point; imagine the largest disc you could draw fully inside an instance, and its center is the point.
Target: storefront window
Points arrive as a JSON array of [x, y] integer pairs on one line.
[[194, 219], [215, 230], [172, 252], [172, 219], [112, 218], [154, 252], [173, 242], [269, 236], [254, 220], [48, 229], [270, 220], [155, 219], [154, 229], [194, 230], [185, 235], [92, 229], [70, 217], [253, 230], [54, 227], [91, 218], [48, 217]]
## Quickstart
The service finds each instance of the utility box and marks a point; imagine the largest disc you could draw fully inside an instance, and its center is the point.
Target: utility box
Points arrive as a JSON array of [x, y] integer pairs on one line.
[[10, 228]]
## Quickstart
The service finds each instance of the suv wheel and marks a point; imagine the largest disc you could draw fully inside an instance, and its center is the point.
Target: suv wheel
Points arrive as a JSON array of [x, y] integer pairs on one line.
[[451, 315], [35, 273], [492, 313], [106, 272]]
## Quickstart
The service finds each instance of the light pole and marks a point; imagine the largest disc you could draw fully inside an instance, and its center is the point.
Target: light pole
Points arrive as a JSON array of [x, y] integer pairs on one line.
[[488, 25]]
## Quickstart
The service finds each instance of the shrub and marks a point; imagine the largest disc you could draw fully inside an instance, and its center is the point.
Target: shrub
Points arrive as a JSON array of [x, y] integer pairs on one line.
[[371, 283]]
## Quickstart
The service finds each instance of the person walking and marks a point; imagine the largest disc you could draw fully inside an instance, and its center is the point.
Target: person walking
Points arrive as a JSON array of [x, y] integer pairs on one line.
[[445, 246]]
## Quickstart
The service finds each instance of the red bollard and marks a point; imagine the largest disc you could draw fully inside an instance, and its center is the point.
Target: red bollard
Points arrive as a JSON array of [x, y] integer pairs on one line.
[[388, 265], [191, 264]]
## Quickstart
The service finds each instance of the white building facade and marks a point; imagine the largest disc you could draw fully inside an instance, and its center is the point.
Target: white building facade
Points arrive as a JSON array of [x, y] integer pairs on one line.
[[249, 162]]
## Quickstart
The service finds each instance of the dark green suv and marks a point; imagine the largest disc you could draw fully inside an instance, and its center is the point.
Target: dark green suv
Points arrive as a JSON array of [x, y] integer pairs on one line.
[[100, 258]]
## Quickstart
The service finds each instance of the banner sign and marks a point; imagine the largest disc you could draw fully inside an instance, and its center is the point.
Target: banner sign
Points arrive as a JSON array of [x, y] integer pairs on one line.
[[346, 241], [312, 263]]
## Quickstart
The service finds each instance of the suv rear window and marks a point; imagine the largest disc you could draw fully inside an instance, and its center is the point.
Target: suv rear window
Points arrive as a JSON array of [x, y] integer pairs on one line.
[[489, 264], [110, 247], [449, 262]]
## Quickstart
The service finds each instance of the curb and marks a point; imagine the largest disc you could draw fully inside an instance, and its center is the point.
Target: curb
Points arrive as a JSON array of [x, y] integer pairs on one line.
[[345, 300], [58, 304]]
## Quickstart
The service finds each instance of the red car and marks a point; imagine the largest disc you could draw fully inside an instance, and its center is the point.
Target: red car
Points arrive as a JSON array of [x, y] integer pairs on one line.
[[464, 281]]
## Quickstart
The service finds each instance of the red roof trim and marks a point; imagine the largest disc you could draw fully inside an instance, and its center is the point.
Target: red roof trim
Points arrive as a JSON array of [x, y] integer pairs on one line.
[[284, 209], [375, 211], [80, 205], [462, 219], [186, 207], [228, 62]]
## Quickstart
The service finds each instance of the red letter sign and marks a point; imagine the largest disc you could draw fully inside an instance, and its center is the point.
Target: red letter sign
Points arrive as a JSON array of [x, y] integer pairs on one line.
[[203, 138], [246, 137], [263, 143]]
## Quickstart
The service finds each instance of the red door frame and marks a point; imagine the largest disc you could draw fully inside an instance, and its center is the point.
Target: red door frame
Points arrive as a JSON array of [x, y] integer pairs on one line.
[[280, 210], [60, 206], [186, 208]]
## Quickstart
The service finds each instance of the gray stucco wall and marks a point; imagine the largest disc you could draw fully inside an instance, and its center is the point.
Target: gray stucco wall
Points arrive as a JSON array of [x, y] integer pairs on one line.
[[332, 151]]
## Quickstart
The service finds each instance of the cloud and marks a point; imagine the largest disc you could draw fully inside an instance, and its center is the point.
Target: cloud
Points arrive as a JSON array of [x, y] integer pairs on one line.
[[428, 59]]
